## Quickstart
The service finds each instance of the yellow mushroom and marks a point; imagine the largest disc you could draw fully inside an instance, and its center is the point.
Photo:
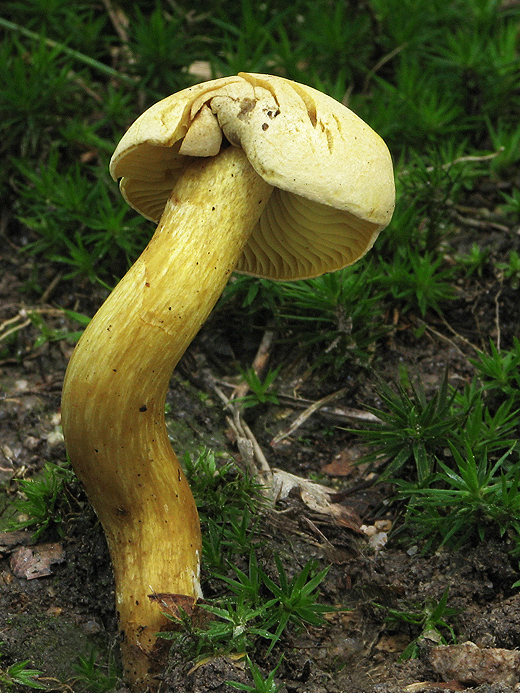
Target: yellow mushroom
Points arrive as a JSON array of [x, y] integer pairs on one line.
[[252, 173]]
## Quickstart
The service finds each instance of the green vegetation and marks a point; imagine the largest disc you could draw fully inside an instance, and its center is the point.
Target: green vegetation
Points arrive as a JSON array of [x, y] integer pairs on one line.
[[251, 604], [18, 674], [52, 334], [258, 608], [227, 501], [439, 81], [260, 393], [261, 685], [41, 500], [412, 428], [452, 458], [500, 371], [429, 619], [469, 498], [93, 677]]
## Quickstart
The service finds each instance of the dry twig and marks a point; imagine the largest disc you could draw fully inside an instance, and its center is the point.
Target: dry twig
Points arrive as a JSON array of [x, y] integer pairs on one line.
[[305, 415], [259, 363]]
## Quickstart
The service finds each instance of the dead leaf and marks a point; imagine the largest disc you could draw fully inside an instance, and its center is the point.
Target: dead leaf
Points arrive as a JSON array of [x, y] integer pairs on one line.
[[315, 496], [343, 464], [174, 604], [35, 561], [10, 540], [424, 686], [392, 643]]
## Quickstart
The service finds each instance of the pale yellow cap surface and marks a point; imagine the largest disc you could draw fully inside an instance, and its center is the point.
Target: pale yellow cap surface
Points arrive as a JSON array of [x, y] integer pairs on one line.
[[332, 174]]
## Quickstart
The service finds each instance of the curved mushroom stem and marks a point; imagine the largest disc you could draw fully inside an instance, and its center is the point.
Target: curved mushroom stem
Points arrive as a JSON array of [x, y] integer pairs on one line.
[[115, 389]]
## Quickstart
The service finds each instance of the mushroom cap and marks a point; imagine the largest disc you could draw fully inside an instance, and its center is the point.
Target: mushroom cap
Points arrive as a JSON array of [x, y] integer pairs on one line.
[[332, 174]]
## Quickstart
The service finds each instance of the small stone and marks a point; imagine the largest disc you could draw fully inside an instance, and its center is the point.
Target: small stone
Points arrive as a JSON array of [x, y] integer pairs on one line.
[[473, 665], [92, 627], [31, 442], [55, 437]]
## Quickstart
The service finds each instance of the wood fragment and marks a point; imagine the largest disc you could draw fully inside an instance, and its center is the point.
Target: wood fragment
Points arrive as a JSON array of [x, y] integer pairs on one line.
[[49, 290], [14, 329], [497, 318], [251, 451], [305, 415], [119, 20], [259, 363], [478, 224]]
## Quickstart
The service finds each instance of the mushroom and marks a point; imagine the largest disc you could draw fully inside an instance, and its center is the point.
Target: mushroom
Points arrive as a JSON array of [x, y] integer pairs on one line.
[[253, 173]]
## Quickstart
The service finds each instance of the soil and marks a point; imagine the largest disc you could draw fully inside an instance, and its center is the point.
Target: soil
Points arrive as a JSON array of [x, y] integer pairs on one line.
[[52, 619]]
